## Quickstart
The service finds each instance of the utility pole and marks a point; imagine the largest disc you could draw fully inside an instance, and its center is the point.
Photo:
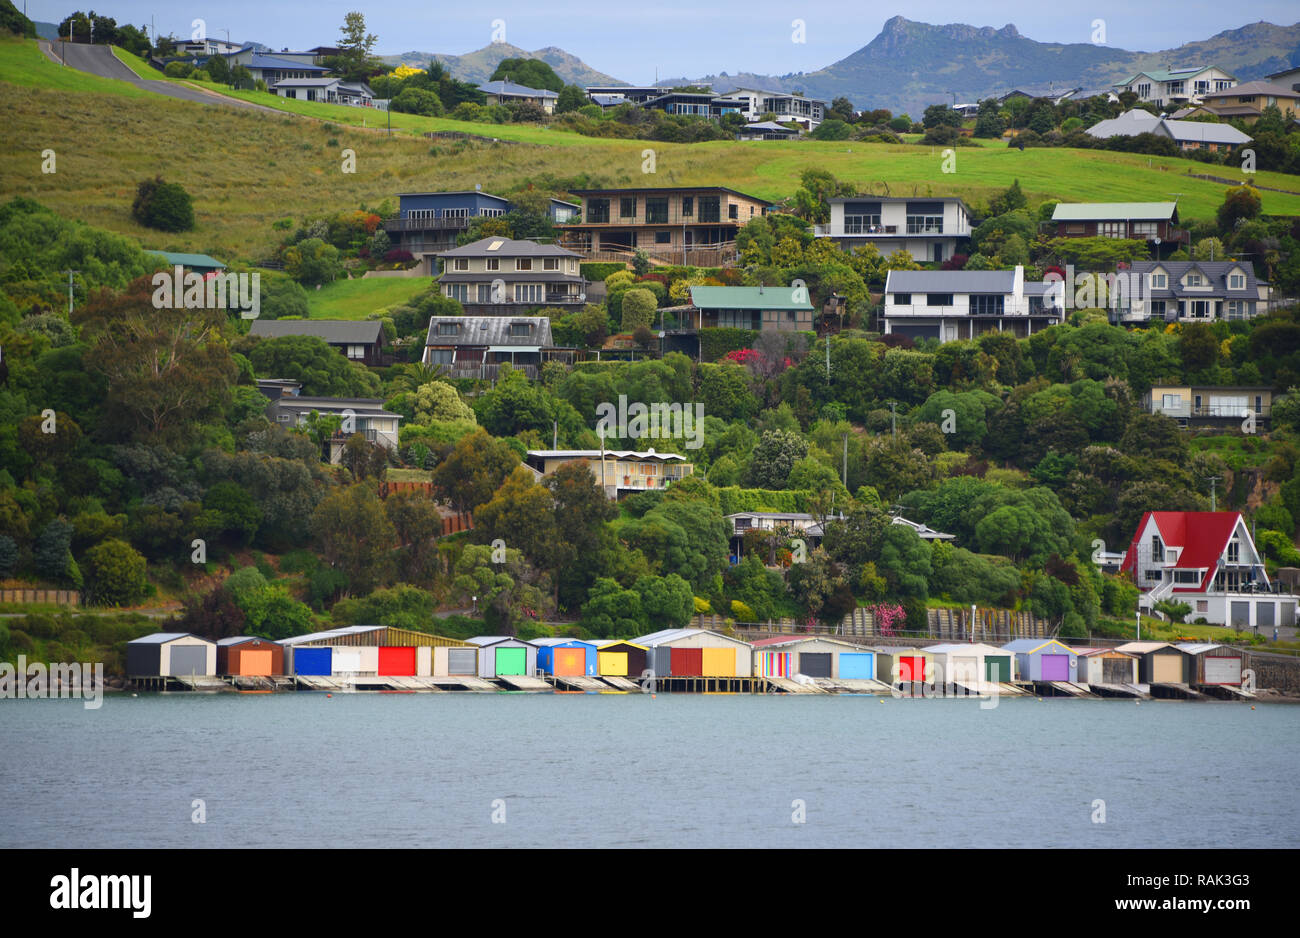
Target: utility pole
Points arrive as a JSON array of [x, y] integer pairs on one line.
[[846, 460], [1214, 503], [893, 420], [70, 273]]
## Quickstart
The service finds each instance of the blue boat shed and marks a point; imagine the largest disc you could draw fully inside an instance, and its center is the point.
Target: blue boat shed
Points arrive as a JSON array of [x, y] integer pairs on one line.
[[547, 657]]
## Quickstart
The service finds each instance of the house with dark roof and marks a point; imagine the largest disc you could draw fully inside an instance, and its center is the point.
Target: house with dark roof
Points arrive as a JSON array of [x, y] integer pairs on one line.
[[507, 92], [359, 341], [1189, 135], [766, 130], [617, 472], [928, 229], [1172, 87], [1191, 291], [477, 346], [1208, 560], [683, 224], [961, 304], [497, 276], [359, 415], [327, 89], [199, 263], [1247, 101], [1287, 78], [429, 222], [1146, 221], [272, 67]]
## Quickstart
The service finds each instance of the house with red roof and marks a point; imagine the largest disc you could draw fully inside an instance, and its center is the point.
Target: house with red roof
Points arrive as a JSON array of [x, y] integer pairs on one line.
[[1208, 560]]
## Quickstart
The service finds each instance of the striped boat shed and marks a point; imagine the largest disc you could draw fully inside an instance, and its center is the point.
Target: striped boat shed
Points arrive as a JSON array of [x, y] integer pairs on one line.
[[786, 655], [171, 654], [697, 653], [502, 654], [249, 656], [566, 657], [903, 663], [369, 651], [1106, 666], [1038, 660], [971, 663], [1211, 664], [1158, 662], [617, 657]]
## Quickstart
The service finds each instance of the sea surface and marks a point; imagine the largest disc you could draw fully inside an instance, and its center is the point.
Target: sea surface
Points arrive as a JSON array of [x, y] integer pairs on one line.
[[520, 770]]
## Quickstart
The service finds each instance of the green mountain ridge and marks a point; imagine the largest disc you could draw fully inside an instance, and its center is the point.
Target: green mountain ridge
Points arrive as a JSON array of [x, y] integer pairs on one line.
[[478, 66]]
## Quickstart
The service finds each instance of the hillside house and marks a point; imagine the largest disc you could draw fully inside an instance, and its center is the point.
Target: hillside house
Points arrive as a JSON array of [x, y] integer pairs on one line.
[[928, 229], [1188, 135], [692, 225], [1247, 101], [1214, 407], [1191, 291], [1145, 221], [477, 346], [808, 113], [360, 415], [358, 341], [429, 222], [1208, 560], [501, 277], [507, 92], [962, 304], [617, 472], [1171, 88], [328, 90]]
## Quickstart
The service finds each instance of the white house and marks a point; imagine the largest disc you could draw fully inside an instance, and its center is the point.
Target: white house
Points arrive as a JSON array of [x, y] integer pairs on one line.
[[961, 304], [928, 229], [1177, 86], [808, 113], [1208, 560]]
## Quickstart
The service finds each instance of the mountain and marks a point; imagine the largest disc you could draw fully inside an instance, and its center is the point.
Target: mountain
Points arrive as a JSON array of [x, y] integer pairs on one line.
[[479, 65], [910, 65], [47, 30]]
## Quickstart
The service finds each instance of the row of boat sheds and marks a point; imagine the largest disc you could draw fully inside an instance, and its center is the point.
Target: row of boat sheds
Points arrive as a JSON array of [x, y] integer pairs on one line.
[[385, 658]]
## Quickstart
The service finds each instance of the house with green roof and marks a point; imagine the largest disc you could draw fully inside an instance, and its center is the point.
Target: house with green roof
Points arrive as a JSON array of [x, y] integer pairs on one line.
[[1155, 222], [1168, 87], [199, 263], [768, 309]]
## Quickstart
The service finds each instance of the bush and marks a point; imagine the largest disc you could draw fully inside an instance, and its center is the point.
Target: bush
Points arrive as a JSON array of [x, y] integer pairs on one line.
[[638, 309], [599, 270], [417, 101], [176, 69], [116, 574], [165, 206]]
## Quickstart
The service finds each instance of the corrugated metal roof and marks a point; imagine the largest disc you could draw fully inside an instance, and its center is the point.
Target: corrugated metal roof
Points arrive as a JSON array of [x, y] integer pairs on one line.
[[240, 639], [1138, 121], [510, 88], [595, 454], [1102, 211], [605, 642], [954, 648], [330, 633], [491, 331], [485, 640], [1142, 648], [748, 298], [161, 638], [552, 642], [1252, 87], [507, 247], [189, 260], [1197, 648], [336, 331], [262, 60]]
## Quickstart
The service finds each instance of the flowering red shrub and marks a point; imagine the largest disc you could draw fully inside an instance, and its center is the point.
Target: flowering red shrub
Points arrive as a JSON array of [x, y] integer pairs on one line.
[[888, 618], [397, 255]]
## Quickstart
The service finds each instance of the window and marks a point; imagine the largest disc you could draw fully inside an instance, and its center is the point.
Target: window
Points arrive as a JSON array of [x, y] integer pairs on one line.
[[485, 293], [656, 210], [494, 263], [1198, 309], [1192, 280], [688, 205], [1202, 605], [990, 305], [456, 291], [1144, 229], [938, 299], [925, 224], [733, 211], [1234, 309], [1157, 549], [1170, 401], [1187, 577], [455, 213], [1157, 307], [598, 211], [440, 356], [710, 208], [523, 263], [460, 263], [528, 293], [448, 328], [1234, 551], [1110, 229], [1236, 281], [1177, 87], [521, 329], [356, 351], [550, 263], [861, 224], [1159, 281], [902, 299], [663, 237], [1144, 90], [627, 208], [491, 212], [1151, 575]]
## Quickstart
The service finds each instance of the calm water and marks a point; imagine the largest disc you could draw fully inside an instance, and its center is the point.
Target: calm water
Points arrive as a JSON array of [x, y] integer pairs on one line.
[[607, 770]]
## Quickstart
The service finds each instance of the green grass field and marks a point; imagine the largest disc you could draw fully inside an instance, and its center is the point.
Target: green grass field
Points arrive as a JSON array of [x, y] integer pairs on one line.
[[247, 169], [357, 299]]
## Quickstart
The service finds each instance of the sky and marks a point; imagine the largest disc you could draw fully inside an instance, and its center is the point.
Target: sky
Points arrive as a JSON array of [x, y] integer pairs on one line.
[[676, 37]]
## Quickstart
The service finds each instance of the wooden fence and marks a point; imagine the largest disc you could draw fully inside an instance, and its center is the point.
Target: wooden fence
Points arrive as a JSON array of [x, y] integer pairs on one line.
[[994, 626], [55, 597]]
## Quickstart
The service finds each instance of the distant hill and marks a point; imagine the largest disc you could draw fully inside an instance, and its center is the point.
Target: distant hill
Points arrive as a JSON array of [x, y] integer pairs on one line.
[[479, 65], [910, 65], [47, 30]]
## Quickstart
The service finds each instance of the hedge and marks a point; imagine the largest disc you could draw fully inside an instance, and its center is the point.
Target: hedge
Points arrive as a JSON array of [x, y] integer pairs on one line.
[[715, 343], [733, 499], [599, 270]]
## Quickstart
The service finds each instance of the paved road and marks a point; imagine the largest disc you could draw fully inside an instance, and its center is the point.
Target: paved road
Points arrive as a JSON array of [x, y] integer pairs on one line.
[[100, 60]]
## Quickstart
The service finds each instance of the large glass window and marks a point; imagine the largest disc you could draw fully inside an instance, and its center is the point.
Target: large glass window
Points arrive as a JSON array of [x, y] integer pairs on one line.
[[598, 211], [688, 205], [627, 208], [710, 208], [656, 210], [986, 305], [938, 299], [925, 224], [457, 291]]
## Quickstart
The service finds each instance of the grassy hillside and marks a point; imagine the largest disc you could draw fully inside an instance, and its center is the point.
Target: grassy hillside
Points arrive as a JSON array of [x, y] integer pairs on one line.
[[357, 299], [248, 169]]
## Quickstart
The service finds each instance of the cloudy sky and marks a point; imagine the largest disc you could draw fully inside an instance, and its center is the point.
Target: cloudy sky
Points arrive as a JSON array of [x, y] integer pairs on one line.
[[678, 37]]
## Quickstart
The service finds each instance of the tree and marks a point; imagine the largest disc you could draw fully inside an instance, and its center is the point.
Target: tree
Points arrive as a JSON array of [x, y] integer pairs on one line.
[[12, 21], [163, 205], [1239, 202], [51, 553], [580, 509], [841, 109], [364, 459], [241, 78], [940, 115], [312, 262], [8, 555], [571, 98], [473, 471], [531, 73], [218, 68], [418, 524], [611, 611], [115, 574], [418, 101], [666, 602], [355, 46], [774, 457], [905, 561], [820, 586], [438, 400], [832, 129], [355, 536], [520, 514], [638, 308], [507, 591], [309, 359], [1008, 201]]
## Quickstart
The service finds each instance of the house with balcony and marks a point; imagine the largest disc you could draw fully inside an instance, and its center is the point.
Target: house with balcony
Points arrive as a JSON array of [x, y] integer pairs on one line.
[[359, 415], [328, 90], [704, 104], [786, 524], [1191, 291], [1210, 407], [273, 67], [786, 108], [694, 225], [961, 304], [614, 95], [497, 276], [1247, 101], [1208, 560], [507, 92], [617, 472], [428, 222], [1189, 135], [359, 341], [477, 346], [928, 229], [1172, 88], [1142, 221]]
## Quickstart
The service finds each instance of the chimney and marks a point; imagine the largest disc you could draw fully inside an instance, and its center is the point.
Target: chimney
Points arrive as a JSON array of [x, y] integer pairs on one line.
[[1018, 285]]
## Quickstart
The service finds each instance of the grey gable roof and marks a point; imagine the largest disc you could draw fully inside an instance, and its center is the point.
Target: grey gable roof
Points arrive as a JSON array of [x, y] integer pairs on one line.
[[1216, 272], [491, 331], [334, 331], [508, 248], [950, 281]]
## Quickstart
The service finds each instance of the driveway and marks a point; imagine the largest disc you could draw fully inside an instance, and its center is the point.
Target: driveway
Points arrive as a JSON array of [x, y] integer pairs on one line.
[[100, 60]]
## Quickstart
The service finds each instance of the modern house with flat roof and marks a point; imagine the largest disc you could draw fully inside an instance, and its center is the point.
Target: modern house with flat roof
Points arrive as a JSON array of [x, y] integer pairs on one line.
[[693, 225], [928, 229], [477, 346], [618, 472], [275, 67], [360, 415], [962, 304], [1145, 221], [357, 340], [785, 107], [427, 223], [766, 130], [497, 276], [1210, 407], [1191, 291], [1188, 135]]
